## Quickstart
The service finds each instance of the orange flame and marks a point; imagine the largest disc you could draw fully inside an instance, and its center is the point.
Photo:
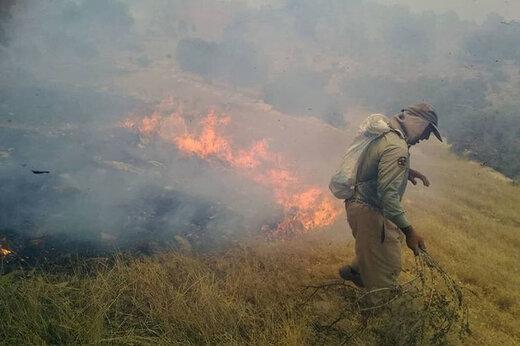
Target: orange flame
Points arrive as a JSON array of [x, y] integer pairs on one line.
[[305, 207], [4, 250]]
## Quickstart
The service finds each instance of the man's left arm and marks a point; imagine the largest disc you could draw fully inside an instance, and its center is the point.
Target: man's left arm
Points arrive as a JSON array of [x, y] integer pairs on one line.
[[413, 174]]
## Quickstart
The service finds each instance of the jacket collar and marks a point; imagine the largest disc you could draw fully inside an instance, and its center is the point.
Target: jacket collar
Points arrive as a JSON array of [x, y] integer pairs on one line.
[[396, 127]]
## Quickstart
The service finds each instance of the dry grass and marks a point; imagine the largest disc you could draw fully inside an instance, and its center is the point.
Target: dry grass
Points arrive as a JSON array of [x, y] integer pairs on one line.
[[254, 295], [242, 296]]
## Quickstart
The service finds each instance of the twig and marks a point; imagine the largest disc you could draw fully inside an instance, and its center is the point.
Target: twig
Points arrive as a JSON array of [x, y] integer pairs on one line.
[[434, 300]]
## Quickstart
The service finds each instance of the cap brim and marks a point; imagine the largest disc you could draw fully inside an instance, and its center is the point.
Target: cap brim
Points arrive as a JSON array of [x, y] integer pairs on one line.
[[436, 132]]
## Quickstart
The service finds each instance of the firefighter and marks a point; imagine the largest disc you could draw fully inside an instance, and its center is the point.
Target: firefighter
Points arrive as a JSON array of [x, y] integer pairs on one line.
[[375, 214]]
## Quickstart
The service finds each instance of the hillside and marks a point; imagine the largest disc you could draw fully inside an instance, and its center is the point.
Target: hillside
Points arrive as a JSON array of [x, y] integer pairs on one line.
[[251, 293], [164, 169]]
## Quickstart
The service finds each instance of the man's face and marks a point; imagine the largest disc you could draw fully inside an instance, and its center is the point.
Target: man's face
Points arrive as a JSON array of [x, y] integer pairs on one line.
[[417, 129], [425, 135]]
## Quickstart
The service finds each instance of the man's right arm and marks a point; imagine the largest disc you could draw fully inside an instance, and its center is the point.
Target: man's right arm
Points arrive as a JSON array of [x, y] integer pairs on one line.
[[391, 175], [413, 240], [392, 170]]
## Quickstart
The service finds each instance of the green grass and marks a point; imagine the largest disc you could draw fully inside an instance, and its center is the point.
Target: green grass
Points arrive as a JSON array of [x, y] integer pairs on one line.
[[253, 294]]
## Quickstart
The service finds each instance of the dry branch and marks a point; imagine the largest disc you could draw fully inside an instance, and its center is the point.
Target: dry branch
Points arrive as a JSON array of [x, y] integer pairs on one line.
[[428, 308]]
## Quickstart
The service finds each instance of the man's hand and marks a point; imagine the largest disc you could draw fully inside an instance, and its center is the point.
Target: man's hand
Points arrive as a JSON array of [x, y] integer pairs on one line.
[[413, 174], [414, 241]]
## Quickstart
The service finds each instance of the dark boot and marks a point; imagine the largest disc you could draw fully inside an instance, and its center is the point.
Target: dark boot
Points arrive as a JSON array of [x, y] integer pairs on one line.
[[347, 273]]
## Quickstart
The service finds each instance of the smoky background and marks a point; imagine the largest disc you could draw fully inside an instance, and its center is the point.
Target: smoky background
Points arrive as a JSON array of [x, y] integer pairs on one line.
[[72, 70]]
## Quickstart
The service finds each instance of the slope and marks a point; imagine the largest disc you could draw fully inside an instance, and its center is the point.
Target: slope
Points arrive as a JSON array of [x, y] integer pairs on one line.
[[251, 292]]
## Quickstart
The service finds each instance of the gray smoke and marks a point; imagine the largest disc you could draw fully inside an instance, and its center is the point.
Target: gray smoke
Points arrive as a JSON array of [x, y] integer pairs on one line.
[[73, 69]]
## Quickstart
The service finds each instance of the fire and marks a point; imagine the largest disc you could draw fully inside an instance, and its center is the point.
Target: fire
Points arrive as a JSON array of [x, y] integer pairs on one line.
[[305, 207], [4, 250]]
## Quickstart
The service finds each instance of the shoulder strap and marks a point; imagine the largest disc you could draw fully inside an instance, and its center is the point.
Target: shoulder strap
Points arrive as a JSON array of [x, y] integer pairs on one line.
[[360, 162], [362, 159]]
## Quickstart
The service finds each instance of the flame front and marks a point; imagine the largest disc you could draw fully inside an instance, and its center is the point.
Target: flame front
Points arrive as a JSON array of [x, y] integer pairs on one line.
[[4, 250], [305, 207]]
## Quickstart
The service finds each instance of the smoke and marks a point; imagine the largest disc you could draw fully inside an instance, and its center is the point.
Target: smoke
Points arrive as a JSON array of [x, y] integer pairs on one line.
[[73, 70], [103, 183]]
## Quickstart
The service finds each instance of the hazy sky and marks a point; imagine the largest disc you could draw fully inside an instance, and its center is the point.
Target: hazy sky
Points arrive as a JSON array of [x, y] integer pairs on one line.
[[466, 9]]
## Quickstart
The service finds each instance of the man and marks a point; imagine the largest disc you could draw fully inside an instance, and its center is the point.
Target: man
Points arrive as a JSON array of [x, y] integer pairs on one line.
[[375, 214]]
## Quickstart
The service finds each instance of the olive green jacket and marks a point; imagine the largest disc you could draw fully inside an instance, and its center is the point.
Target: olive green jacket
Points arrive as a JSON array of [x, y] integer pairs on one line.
[[382, 176]]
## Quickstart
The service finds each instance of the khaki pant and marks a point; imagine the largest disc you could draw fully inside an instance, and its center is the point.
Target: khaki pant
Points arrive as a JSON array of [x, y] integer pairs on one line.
[[378, 246]]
